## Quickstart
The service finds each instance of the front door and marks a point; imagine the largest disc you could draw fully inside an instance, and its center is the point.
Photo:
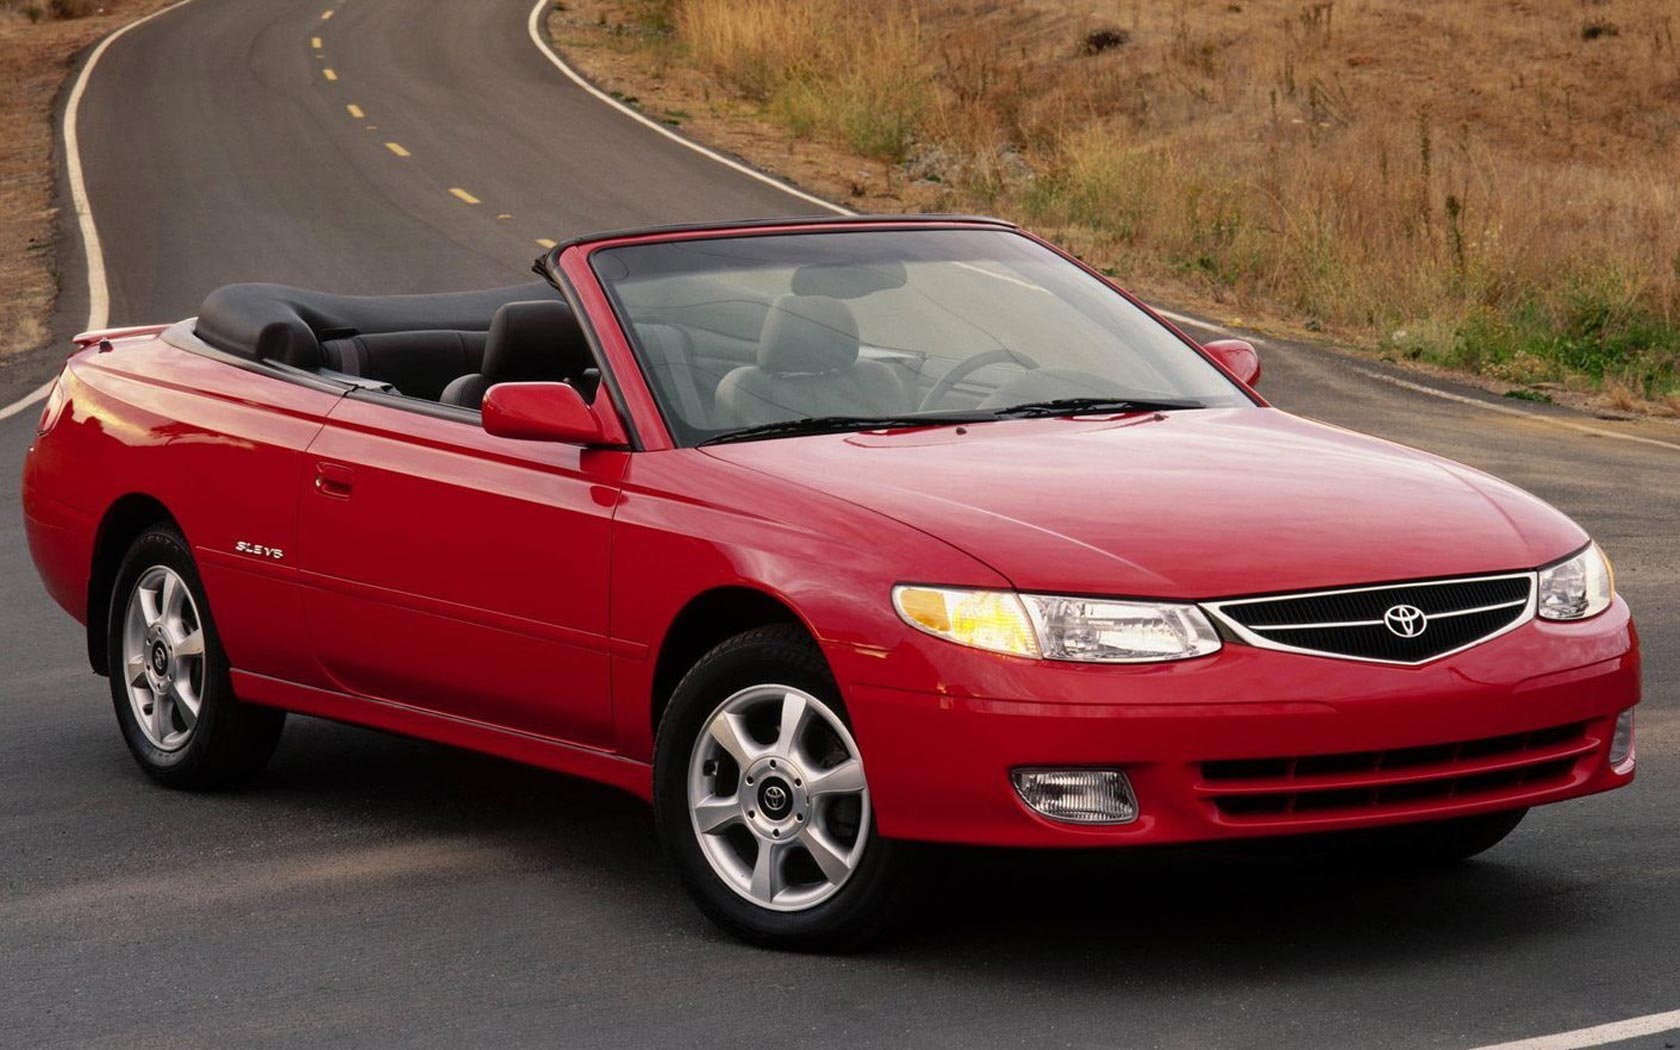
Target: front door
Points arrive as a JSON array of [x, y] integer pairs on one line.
[[460, 573]]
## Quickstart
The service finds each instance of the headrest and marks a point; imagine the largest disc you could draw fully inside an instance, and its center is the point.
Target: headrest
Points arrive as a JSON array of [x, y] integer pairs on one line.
[[262, 321], [534, 340], [808, 333]]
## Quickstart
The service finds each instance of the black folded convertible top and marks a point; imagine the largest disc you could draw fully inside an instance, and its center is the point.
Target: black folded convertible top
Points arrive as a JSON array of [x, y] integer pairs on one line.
[[281, 323]]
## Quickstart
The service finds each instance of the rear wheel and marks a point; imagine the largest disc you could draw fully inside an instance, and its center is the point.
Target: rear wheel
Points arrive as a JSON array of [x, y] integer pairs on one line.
[[169, 676], [1431, 844], [762, 802]]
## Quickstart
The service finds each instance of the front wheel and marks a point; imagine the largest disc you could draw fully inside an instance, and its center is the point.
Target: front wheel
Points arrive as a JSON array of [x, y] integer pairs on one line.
[[169, 676], [762, 802]]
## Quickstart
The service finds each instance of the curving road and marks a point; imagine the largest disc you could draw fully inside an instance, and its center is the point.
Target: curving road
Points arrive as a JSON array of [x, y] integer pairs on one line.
[[375, 890]]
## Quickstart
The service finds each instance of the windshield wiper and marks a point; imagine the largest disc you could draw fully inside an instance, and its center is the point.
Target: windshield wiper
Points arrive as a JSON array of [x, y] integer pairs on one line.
[[1062, 406], [1078, 406], [841, 424]]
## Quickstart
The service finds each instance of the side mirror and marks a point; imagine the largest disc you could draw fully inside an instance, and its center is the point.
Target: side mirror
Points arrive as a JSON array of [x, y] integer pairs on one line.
[[1238, 356], [540, 412]]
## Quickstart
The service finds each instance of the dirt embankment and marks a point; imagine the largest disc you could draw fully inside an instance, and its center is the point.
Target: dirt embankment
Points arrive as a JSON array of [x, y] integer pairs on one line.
[[1491, 185], [39, 40]]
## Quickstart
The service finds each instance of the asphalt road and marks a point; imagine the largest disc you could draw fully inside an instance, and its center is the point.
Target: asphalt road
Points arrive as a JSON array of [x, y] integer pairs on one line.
[[374, 890]]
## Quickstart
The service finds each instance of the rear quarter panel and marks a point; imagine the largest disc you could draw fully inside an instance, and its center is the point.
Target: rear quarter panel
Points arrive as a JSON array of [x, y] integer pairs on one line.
[[57, 523], [218, 445]]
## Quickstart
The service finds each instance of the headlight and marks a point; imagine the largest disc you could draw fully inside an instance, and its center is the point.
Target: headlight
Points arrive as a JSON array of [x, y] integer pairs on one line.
[[1086, 630], [994, 620], [1578, 588], [1096, 631]]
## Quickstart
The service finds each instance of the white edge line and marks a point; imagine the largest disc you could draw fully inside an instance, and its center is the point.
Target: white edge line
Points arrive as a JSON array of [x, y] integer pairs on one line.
[[1614, 1032], [29, 399], [1581, 428], [99, 301], [534, 25], [1177, 318]]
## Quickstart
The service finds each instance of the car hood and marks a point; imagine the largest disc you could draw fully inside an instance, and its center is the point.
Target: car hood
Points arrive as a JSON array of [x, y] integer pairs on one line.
[[1197, 504]]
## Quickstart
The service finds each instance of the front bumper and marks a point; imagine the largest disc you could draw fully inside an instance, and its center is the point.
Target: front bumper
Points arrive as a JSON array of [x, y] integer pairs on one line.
[[1300, 743]]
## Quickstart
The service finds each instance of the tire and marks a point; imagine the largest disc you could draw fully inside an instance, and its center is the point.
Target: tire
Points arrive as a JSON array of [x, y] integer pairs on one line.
[[160, 616], [1433, 844], [751, 683]]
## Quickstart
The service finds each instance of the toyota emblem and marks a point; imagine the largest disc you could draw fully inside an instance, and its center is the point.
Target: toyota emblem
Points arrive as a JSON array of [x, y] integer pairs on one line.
[[1407, 621]]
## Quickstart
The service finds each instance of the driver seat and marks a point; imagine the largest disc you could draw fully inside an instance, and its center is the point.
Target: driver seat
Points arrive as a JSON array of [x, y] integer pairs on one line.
[[808, 365], [532, 341]]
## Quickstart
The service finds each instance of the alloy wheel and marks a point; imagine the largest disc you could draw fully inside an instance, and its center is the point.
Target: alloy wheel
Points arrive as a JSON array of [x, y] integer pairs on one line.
[[777, 797], [163, 658]]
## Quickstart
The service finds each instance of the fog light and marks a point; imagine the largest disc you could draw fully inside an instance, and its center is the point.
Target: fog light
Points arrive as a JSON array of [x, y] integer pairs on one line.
[[1078, 796], [1621, 745]]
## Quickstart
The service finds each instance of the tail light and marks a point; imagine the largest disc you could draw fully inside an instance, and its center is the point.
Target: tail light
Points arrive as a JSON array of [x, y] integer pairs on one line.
[[56, 400]]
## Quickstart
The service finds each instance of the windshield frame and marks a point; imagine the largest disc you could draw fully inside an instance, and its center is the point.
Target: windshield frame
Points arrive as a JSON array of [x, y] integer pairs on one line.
[[575, 264]]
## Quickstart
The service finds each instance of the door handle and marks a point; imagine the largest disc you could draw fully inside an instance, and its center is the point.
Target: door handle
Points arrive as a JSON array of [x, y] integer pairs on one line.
[[333, 479]]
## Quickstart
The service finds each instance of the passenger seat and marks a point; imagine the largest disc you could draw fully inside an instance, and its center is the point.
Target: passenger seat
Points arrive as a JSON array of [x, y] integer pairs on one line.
[[418, 364], [808, 365], [536, 341]]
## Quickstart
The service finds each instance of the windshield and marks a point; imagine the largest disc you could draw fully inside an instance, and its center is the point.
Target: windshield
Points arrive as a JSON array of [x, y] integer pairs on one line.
[[895, 327]]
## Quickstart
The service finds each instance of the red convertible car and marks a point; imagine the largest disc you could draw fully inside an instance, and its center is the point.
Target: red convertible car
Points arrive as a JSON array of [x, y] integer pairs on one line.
[[825, 537]]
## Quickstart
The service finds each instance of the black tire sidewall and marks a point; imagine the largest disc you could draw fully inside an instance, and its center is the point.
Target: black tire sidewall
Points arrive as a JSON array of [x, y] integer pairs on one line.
[[767, 656]]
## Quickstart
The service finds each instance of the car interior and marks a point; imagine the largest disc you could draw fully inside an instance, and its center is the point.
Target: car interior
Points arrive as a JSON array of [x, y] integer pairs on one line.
[[738, 350], [734, 362], [448, 348], [723, 351], [726, 355]]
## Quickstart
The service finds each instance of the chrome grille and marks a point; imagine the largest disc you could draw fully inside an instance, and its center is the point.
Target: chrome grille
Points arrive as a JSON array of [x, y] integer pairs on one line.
[[1401, 623]]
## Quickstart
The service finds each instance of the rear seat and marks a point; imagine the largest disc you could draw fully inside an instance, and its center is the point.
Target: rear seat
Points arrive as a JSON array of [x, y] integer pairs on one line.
[[275, 322], [417, 364]]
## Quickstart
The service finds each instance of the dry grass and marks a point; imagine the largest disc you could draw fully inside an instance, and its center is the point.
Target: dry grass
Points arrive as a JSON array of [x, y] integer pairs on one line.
[[822, 67], [1493, 184], [39, 39]]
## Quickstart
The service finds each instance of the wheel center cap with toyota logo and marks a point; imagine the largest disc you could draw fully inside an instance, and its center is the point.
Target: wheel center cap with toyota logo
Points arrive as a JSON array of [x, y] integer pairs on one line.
[[774, 798], [1407, 621]]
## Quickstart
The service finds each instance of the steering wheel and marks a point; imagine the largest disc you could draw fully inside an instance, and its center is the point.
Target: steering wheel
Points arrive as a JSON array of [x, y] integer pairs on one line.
[[949, 381]]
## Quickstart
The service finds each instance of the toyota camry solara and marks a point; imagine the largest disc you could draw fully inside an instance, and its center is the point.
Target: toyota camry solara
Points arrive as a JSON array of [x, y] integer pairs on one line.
[[825, 538]]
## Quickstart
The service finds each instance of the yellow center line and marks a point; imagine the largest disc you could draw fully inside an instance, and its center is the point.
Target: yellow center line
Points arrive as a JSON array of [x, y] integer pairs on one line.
[[329, 74], [398, 150], [544, 242], [355, 111], [464, 195], [326, 14], [315, 42]]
